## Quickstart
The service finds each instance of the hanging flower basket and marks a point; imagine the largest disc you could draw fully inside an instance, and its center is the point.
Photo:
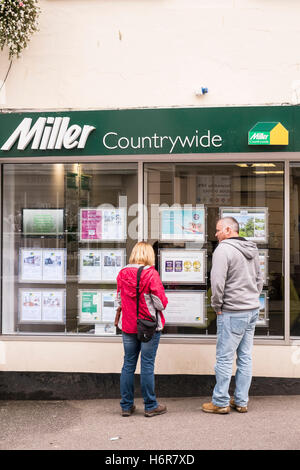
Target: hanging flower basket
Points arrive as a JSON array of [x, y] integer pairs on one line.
[[18, 21]]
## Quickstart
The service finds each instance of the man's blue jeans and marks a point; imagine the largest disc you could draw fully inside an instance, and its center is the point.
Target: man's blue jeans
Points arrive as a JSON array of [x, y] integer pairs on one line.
[[132, 348], [235, 332]]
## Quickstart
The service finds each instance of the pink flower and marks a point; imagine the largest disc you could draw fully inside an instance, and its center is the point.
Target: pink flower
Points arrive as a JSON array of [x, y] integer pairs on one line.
[[21, 4]]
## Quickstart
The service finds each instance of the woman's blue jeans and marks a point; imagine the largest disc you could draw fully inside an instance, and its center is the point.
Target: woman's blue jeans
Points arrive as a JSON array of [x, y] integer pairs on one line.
[[235, 332], [132, 348]]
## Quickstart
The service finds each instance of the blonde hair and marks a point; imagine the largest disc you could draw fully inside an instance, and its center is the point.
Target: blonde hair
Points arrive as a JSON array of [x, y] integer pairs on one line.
[[142, 253]]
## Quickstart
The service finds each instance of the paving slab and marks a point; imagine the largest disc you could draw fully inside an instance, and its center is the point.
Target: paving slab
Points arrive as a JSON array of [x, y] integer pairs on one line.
[[272, 423]]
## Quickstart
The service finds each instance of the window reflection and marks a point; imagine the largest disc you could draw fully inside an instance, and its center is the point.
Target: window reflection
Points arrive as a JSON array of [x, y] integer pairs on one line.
[[233, 186]]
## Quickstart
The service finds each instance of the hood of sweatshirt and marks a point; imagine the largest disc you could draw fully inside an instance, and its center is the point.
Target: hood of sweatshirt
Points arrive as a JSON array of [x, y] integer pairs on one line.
[[246, 247]]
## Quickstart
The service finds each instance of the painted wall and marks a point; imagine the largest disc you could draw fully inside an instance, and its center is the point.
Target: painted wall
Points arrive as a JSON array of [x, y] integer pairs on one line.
[[147, 53], [106, 357]]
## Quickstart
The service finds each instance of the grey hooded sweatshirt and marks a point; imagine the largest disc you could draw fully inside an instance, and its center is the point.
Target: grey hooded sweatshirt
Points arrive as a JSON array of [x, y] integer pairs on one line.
[[236, 279]]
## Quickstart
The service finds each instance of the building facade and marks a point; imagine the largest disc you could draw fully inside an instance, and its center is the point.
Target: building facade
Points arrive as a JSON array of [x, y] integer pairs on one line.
[[82, 182]]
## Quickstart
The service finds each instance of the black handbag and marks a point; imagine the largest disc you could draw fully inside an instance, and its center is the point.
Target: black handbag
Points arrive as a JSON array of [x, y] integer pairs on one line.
[[145, 328]]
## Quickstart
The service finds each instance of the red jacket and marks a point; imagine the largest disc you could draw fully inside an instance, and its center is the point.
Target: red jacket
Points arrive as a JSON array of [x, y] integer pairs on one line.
[[152, 297]]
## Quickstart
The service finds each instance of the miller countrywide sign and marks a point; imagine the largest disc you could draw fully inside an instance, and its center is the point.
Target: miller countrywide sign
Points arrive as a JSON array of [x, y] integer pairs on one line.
[[54, 133], [149, 131]]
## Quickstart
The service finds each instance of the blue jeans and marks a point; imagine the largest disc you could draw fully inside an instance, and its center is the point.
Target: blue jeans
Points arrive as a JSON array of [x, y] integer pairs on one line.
[[235, 332], [132, 349]]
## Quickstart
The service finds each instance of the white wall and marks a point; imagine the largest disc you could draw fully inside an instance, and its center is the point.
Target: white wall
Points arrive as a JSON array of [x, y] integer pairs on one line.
[[132, 53], [105, 357]]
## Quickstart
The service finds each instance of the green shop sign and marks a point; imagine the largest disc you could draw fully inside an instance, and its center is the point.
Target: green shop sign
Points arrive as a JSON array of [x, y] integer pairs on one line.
[[150, 131]]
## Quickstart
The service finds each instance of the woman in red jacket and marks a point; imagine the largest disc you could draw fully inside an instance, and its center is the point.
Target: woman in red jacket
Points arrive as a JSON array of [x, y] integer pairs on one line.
[[152, 301]]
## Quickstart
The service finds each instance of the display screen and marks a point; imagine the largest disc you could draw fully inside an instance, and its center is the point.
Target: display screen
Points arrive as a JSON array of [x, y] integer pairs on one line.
[[43, 222]]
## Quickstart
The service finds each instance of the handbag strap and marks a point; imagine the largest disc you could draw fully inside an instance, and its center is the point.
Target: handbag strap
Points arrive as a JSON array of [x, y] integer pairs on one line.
[[139, 272]]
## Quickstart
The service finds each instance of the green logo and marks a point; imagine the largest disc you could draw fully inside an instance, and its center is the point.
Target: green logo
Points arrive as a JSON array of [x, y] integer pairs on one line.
[[257, 138], [268, 133]]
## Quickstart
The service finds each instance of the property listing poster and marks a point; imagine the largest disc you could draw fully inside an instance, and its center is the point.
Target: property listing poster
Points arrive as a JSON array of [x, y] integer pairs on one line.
[[100, 265], [108, 310], [103, 224], [263, 310], [114, 224], [53, 306], [54, 265], [42, 265], [90, 224], [182, 224], [108, 303], [31, 267], [185, 308], [42, 306], [89, 306], [30, 308], [97, 306], [112, 263], [183, 266], [105, 329], [213, 190], [263, 264], [253, 221], [90, 266]]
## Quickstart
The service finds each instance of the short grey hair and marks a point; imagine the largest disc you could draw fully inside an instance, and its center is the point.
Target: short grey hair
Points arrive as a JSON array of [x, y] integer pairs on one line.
[[230, 222]]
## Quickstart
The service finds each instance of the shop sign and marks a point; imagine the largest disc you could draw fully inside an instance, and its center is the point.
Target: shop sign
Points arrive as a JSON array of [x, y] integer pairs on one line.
[[55, 133], [48, 134], [113, 141], [166, 131], [268, 133]]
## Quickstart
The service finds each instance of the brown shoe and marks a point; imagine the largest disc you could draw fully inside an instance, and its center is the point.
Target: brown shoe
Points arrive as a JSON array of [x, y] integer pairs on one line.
[[240, 409], [128, 412], [211, 408], [160, 410]]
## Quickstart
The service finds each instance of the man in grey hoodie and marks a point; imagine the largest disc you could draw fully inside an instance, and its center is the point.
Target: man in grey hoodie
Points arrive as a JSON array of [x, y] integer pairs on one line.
[[236, 284]]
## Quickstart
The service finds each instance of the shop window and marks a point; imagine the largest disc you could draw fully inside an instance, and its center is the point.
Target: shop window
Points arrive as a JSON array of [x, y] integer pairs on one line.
[[64, 241], [184, 201], [67, 229], [295, 250]]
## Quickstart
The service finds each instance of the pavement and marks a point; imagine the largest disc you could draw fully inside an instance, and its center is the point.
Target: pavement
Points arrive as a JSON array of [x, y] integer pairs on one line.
[[271, 423]]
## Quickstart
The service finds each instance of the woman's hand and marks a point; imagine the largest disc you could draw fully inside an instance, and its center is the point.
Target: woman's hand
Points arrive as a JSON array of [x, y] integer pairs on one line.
[[117, 317]]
